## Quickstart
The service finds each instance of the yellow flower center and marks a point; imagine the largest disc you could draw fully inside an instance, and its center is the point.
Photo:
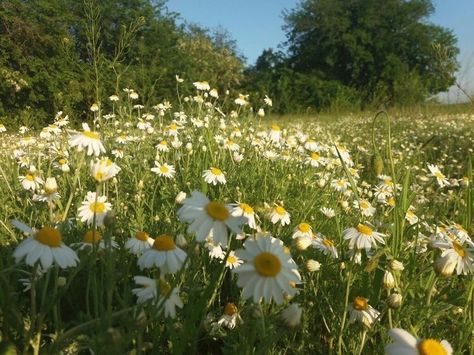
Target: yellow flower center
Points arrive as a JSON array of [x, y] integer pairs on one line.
[[246, 208], [315, 156], [217, 211], [439, 175], [363, 229], [91, 135], [231, 259], [304, 227], [216, 171], [165, 143], [230, 309], [142, 236], [173, 127], [49, 236], [164, 243], [431, 347], [360, 304], [62, 161], [165, 288], [92, 237], [276, 128], [267, 264], [97, 207], [99, 176], [29, 177], [280, 210], [391, 201], [164, 169], [328, 243], [364, 205], [459, 249]]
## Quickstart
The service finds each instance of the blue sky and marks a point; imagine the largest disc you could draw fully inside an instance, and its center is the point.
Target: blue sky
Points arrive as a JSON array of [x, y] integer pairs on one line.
[[257, 25]]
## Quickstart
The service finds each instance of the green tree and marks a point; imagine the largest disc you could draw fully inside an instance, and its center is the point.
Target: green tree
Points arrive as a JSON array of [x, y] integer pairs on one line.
[[383, 49]]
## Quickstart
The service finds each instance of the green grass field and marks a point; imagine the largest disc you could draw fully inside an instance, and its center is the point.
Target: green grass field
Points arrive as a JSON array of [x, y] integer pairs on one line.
[[296, 235]]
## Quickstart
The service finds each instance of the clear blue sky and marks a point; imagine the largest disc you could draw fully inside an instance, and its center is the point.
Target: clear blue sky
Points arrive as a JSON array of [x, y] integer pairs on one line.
[[257, 25]]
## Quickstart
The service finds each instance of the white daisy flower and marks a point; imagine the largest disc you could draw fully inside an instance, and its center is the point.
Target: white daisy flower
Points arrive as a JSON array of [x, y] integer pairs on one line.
[[202, 85], [206, 217], [363, 237], [94, 206], [291, 315], [31, 181], [326, 246], [163, 170], [279, 214], [87, 139], [406, 344], [245, 210], [45, 246], [460, 256], [93, 240], [140, 242], [168, 298], [303, 230], [440, 178], [162, 147], [274, 135], [361, 311], [365, 207], [328, 212], [269, 272], [233, 261], [231, 316], [164, 254], [104, 169], [214, 176]]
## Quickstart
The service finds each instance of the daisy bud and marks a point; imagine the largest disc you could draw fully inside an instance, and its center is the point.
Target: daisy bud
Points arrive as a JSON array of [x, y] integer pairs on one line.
[[204, 148], [388, 280], [180, 197], [396, 265], [291, 315], [313, 265], [302, 243], [94, 108], [261, 112], [342, 266], [181, 241], [50, 186], [394, 300], [61, 281]]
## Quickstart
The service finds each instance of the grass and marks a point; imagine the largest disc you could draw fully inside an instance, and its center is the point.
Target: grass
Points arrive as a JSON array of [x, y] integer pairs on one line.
[[91, 306]]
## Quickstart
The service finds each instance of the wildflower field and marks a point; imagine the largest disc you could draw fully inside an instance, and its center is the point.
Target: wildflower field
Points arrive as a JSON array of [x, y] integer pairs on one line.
[[207, 227]]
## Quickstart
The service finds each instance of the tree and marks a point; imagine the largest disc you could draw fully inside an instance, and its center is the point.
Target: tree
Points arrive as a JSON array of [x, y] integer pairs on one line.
[[383, 49]]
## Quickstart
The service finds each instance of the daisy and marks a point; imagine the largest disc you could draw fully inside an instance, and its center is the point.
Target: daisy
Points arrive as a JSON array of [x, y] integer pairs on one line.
[[269, 272], [140, 242], [214, 176], [206, 217], [440, 178], [202, 85], [233, 261], [87, 139], [268, 101], [326, 246], [411, 217], [406, 344], [245, 210], [340, 185], [162, 147], [363, 237], [241, 100], [93, 239], [279, 214], [365, 207], [314, 160], [31, 181], [62, 164], [275, 133], [291, 315], [231, 316], [328, 212], [164, 254], [104, 169], [163, 170], [361, 311], [459, 255], [94, 207], [303, 230], [168, 297], [49, 193], [45, 246]]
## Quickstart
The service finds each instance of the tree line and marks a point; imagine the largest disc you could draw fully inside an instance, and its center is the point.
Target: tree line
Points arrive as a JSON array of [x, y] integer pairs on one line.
[[67, 54]]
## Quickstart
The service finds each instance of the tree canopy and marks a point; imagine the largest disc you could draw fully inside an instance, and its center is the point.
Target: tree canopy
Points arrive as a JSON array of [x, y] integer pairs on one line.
[[373, 51]]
